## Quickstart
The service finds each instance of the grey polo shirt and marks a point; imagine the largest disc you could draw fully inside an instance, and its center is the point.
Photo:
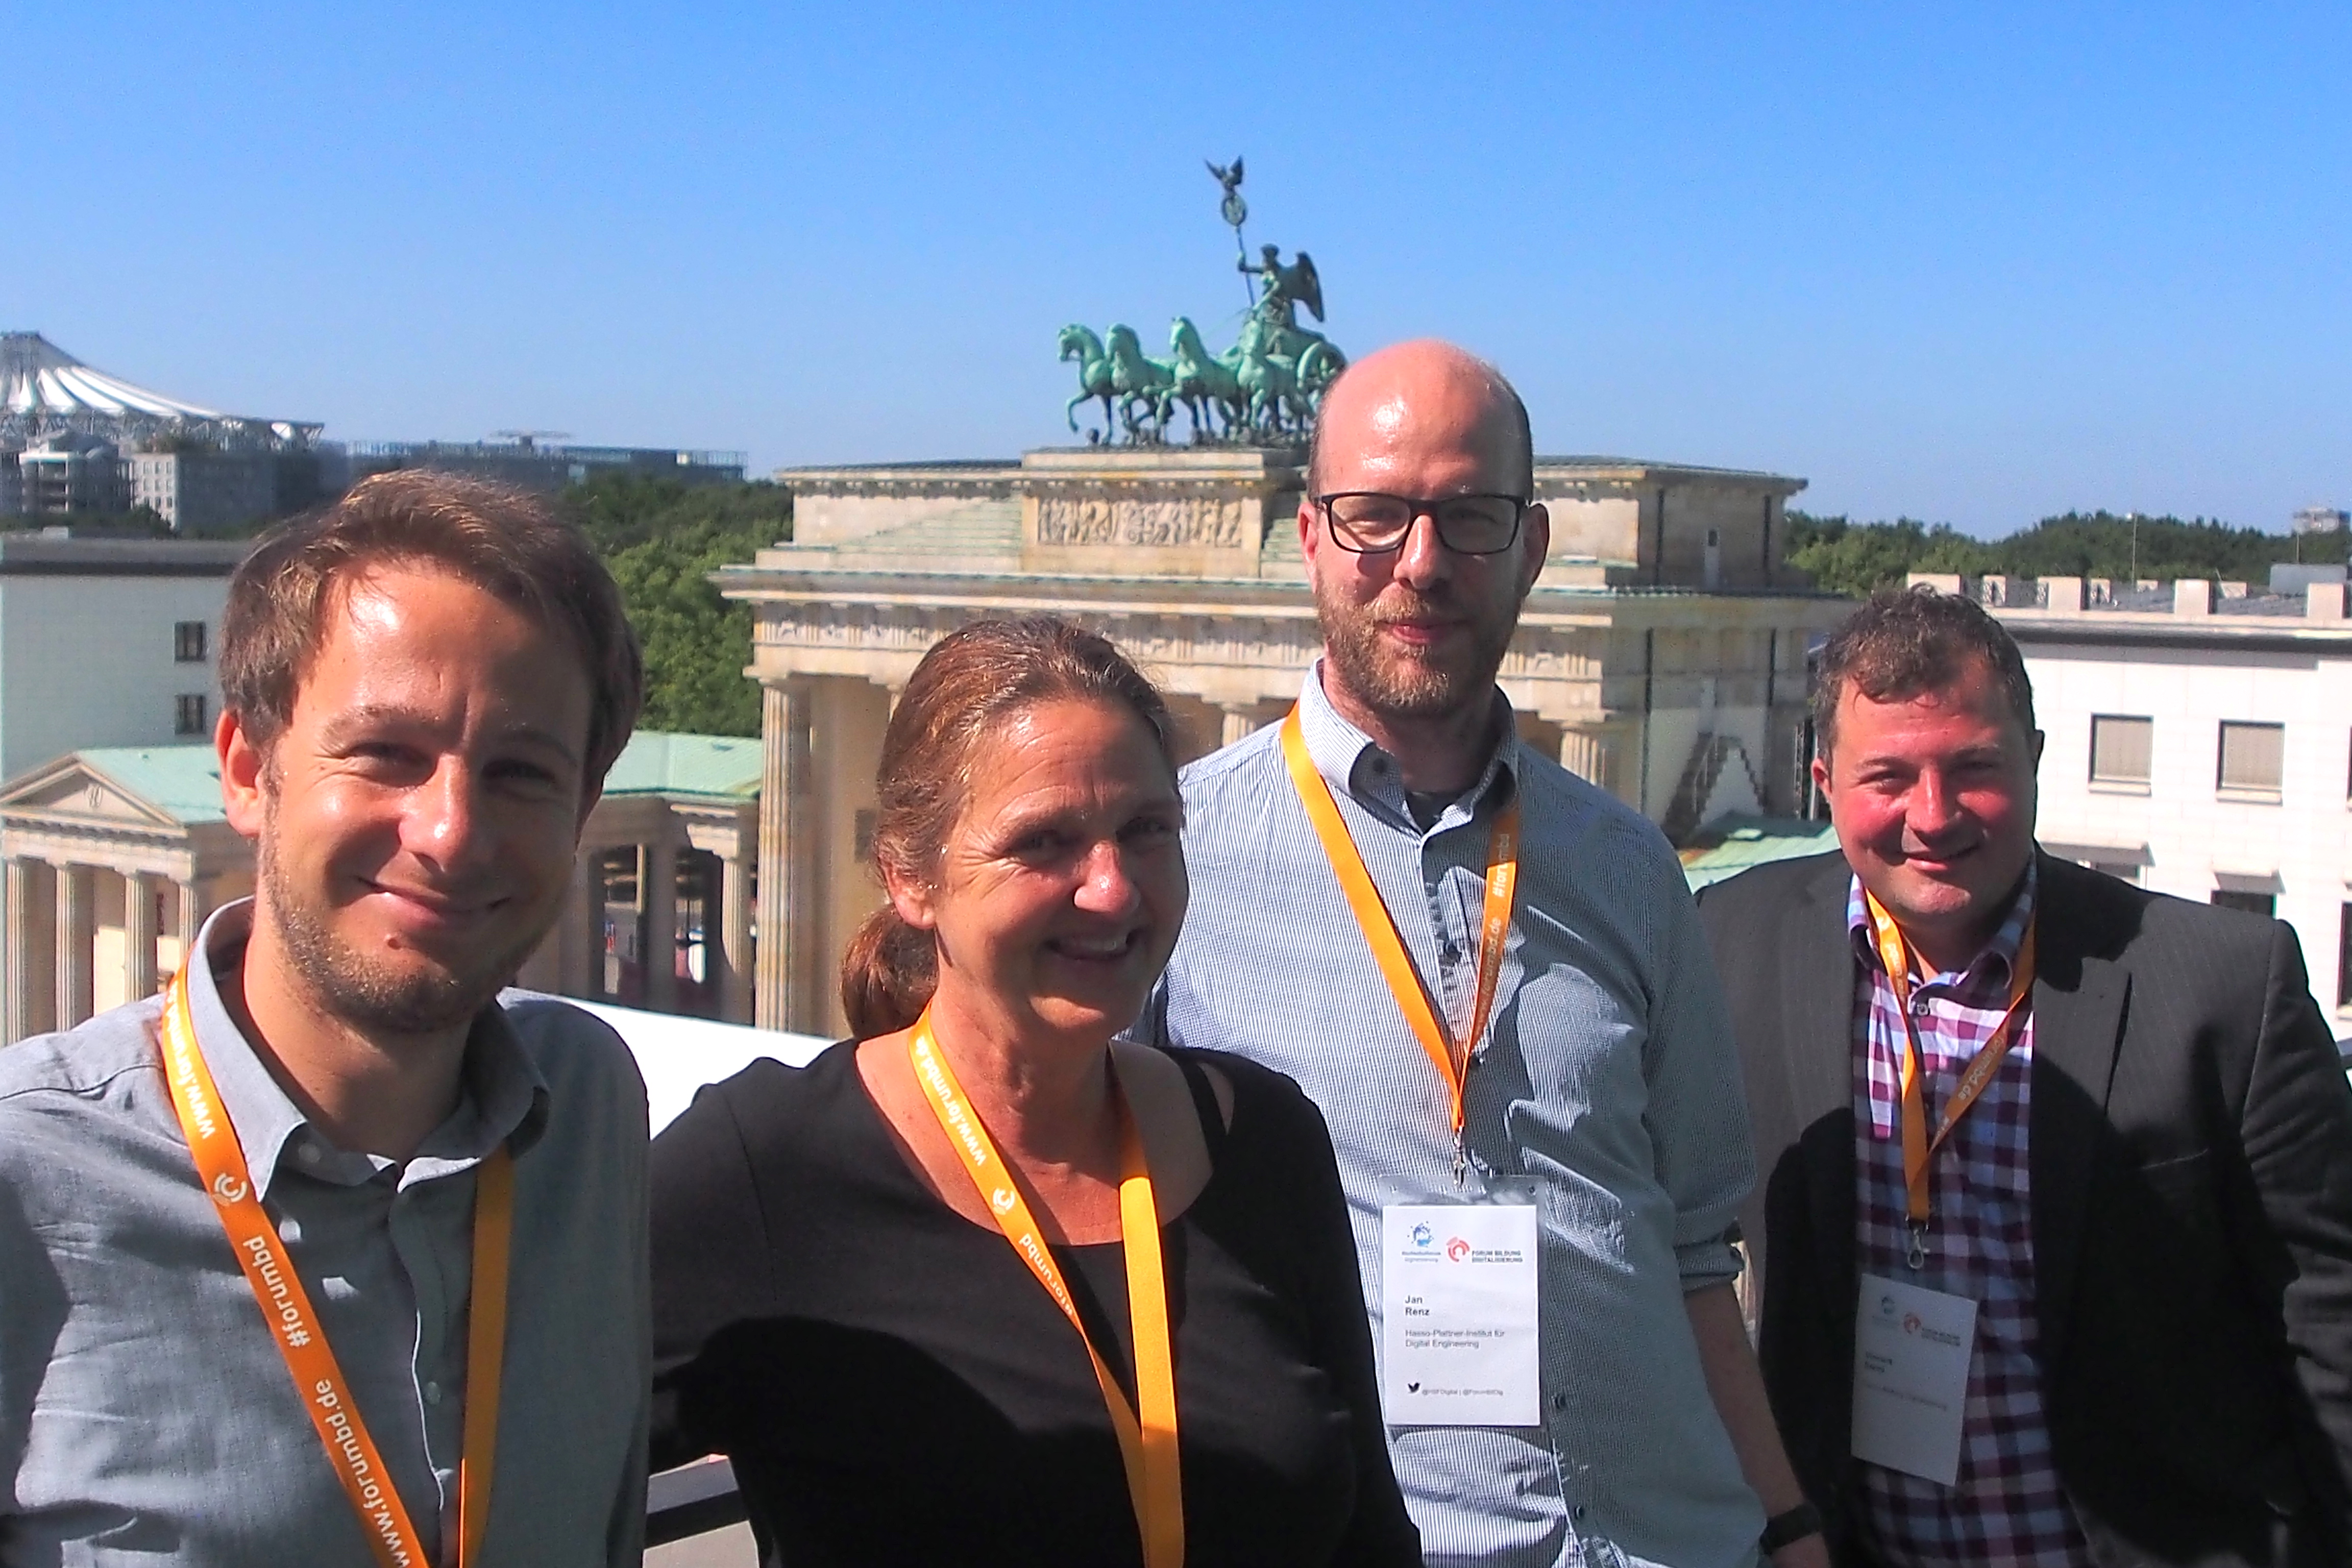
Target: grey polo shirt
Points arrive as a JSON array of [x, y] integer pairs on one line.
[[146, 1415]]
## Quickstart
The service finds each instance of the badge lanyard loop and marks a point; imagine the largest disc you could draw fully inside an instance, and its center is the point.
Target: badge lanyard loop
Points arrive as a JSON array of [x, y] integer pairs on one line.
[[1451, 1058], [1919, 1150], [295, 1328], [1148, 1445]]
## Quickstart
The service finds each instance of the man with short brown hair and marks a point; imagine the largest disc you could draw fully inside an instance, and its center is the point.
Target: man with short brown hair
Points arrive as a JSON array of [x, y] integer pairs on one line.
[[323, 1256], [2055, 1237]]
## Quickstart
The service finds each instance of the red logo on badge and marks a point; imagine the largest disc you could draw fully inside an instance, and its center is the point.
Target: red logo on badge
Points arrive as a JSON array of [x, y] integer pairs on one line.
[[1457, 1249]]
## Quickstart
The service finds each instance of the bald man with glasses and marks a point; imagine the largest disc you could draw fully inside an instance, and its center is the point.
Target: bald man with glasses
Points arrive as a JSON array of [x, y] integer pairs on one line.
[[1489, 975]]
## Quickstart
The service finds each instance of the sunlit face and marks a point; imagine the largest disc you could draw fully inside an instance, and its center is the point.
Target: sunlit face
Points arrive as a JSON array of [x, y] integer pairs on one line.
[[1061, 888], [414, 823], [1418, 632], [1933, 801]]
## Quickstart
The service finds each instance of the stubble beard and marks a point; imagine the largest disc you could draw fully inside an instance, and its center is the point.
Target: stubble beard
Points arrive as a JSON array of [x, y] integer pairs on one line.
[[371, 998], [1403, 686]]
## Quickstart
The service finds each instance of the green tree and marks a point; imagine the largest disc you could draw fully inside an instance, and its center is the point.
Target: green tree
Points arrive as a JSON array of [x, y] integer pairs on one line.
[[1847, 557], [661, 540]]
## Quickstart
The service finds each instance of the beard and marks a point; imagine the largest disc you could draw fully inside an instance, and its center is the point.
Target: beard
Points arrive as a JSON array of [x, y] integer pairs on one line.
[[372, 997], [1398, 683]]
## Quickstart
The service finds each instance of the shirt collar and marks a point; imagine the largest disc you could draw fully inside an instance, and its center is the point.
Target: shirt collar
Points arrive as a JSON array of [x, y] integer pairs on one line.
[[1354, 761], [504, 1099], [1993, 962]]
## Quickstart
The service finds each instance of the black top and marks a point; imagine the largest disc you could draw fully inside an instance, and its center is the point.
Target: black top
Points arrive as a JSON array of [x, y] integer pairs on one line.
[[893, 1385]]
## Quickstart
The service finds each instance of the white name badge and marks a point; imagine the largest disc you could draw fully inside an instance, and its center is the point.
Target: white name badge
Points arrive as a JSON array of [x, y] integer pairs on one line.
[[1911, 1352], [1458, 1325]]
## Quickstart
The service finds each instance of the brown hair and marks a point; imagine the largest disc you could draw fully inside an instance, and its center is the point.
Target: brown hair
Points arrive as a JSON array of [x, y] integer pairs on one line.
[[1906, 642], [973, 682], [506, 541]]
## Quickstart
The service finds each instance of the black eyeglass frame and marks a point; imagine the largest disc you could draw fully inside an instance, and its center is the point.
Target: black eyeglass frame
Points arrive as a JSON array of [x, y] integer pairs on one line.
[[1421, 506]]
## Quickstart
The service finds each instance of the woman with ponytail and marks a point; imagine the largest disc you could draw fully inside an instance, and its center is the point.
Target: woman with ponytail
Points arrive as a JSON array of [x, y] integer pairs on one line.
[[983, 1285]]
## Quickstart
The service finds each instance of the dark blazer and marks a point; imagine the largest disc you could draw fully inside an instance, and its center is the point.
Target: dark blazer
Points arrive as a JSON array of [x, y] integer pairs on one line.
[[2191, 1173]]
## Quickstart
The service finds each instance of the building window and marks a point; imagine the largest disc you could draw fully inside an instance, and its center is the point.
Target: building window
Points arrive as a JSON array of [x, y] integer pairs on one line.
[[2121, 749], [2252, 903], [188, 642], [189, 718], [2254, 758]]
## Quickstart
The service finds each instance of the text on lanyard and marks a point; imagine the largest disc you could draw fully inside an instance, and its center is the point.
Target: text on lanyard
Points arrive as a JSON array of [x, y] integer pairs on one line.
[[302, 1341]]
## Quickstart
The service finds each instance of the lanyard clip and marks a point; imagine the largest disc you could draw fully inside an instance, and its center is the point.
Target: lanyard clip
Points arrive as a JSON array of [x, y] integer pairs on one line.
[[1917, 1256], [1461, 1161]]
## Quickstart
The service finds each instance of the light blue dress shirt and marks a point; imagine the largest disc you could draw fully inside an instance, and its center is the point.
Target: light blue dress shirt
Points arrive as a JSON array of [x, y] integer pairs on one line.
[[146, 1415], [1609, 1077]]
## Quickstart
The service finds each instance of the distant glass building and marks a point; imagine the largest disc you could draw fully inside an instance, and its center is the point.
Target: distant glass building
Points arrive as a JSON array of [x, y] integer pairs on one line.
[[2321, 520], [529, 462]]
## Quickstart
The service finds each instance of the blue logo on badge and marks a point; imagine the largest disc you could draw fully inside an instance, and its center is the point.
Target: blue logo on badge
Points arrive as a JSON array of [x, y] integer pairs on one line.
[[1423, 1236]]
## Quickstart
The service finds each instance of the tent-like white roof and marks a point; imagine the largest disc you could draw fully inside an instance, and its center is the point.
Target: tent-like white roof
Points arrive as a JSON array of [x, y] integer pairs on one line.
[[42, 387], [38, 376]]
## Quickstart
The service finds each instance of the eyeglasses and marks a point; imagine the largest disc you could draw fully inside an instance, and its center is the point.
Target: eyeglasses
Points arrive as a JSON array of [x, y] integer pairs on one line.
[[1370, 523]]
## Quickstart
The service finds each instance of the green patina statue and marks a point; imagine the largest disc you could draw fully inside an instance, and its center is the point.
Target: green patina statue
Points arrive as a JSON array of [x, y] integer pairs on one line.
[[1265, 389]]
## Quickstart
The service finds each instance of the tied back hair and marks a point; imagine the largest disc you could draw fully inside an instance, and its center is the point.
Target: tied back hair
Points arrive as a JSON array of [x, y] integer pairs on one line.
[[972, 683]]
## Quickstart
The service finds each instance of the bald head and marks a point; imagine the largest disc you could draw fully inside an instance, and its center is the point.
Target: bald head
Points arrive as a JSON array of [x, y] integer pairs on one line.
[[1422, 395]]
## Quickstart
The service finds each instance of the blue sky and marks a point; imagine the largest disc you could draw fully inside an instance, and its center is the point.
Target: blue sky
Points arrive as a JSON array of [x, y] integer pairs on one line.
[[1973, 264]]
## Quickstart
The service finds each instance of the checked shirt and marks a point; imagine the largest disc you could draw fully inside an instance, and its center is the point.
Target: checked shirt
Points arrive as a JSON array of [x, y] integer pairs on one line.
[[2007, 1509]]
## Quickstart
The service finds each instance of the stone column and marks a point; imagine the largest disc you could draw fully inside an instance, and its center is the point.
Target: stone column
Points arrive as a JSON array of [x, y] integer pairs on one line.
[[139, 935], [787, 915], [735, 939], [1241, 722], [1589, 750], [191, 918], [657, 892], [575, 932], [542, 971], [77, 929], [30, 916]]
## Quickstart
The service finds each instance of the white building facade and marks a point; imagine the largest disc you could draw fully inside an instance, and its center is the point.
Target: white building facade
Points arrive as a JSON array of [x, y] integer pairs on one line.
[[107, 642], [2200, 743]]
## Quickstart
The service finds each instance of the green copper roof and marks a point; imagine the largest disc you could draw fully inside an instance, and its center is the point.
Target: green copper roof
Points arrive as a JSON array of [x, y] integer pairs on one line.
[[661, 762], [1734, 844], [182, 781]]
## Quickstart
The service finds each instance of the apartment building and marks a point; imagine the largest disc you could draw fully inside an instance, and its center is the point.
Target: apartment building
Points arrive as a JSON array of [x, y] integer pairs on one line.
[[2199, 741]]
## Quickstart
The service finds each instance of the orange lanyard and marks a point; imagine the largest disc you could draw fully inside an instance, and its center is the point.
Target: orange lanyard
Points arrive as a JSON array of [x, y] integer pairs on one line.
[[1451, 1058], [1919, 1150], [220, 1165], [1154, 1481]]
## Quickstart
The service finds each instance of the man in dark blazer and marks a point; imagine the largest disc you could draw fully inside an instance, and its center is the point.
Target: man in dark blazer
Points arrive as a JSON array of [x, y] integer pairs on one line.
[[2149, 1205]]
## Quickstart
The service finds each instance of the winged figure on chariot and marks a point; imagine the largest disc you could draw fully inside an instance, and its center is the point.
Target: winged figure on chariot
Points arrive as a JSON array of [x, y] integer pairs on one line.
[[1265, 388]]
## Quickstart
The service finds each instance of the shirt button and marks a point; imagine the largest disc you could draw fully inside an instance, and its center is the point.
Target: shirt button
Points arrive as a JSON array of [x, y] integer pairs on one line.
[[1450, 953], [1577, 1513], [432, 1393], [1559, 1401]]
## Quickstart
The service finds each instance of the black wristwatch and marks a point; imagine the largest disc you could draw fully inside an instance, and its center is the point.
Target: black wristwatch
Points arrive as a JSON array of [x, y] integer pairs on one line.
[[1786, 1528]]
